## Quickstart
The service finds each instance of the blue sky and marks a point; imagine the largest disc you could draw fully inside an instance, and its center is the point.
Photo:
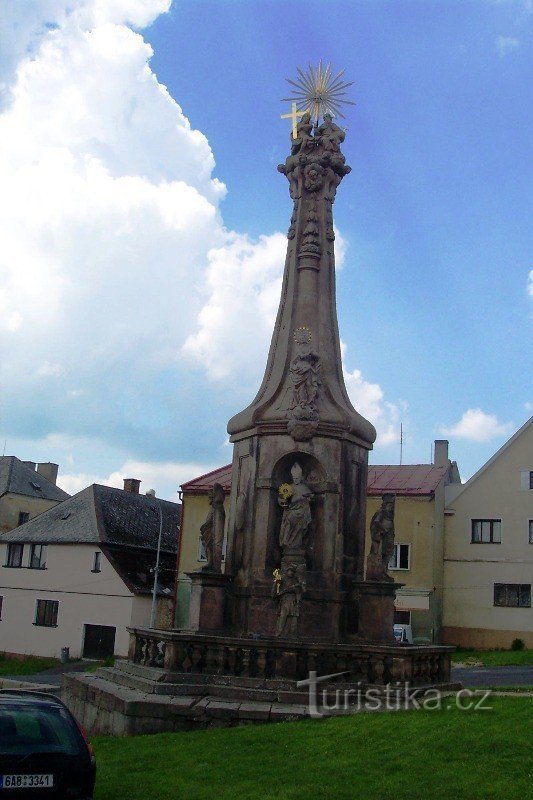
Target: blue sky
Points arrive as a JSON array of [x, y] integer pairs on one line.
[[144, 352]]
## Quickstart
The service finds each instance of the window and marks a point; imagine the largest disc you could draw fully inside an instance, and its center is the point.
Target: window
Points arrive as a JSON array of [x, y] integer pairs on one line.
[[400, 557], [486, 531], [37, 556], [526, 479], [530, 527], [23, 517], [14, 555], [1, 604], [514, 595], [202, 555], [402, 617], [97, 562], [46, 613]]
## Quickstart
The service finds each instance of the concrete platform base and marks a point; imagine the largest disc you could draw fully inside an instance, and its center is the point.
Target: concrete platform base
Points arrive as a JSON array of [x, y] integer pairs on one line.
[[131, 699]]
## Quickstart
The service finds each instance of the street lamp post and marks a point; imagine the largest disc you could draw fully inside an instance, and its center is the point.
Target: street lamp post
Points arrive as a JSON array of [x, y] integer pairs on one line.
[[156, 570]]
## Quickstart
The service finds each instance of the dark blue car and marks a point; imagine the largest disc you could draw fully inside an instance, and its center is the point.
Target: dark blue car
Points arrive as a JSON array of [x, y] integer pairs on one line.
[[43, 750]]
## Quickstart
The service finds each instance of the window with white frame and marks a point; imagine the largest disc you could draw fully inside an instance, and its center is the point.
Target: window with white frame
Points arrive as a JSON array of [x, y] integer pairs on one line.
[[512, 595], [401, 557], [23, 517], [202, 555], [37, 558], [97, 562], [486, 531], [15, 554], [530, 530], [46, 613]]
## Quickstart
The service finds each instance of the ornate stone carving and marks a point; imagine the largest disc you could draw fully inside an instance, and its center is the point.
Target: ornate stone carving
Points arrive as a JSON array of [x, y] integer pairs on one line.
[[304, 375], [212, 530], [310, 243], [382, 541], [287, 592], [291, 233], [329, 135], [304, 135], [295, 500]]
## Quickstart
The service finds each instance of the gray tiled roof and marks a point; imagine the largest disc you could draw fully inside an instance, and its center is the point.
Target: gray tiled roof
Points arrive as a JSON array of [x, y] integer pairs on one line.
[[124, 525], [17, 477], [104, 515]]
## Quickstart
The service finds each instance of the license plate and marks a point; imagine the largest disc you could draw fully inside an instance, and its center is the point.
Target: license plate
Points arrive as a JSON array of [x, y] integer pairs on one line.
[[26, 781]]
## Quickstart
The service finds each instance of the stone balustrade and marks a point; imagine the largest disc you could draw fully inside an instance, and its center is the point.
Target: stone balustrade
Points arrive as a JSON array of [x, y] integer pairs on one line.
[[267, 659]]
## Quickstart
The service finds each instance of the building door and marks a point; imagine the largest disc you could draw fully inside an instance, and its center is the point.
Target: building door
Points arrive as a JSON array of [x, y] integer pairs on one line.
[[98, 641]]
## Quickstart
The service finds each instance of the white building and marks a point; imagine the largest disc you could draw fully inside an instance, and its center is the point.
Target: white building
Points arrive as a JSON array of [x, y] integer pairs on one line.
[[77, 575], [488, 554]]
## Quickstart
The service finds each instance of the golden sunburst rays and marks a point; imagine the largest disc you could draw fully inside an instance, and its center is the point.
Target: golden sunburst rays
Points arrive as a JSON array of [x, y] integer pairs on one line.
[[319, 91]]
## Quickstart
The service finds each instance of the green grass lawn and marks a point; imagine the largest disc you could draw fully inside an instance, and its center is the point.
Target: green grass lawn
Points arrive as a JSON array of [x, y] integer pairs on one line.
[[494, 658], [25, 666], [414, 755]]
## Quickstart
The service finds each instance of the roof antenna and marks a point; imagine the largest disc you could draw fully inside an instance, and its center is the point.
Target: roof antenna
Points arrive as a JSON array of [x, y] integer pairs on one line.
[[401, 442], [5, 445]]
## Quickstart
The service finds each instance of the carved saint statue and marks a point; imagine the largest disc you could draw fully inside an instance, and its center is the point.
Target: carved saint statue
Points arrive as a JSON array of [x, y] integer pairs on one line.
[[329, 134], [295, 500], [212, 530], [382, 545], [304, 136], [287, 591], [304, 372]]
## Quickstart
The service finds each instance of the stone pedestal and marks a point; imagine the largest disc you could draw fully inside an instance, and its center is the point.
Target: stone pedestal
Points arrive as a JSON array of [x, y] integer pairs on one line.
[[376, 610], [207, 608]]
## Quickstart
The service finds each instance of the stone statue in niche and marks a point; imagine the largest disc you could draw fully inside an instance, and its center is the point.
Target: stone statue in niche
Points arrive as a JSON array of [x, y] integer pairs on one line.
[[382, 541], [304, 375], [212, 531], [295, 500], [287, 592]]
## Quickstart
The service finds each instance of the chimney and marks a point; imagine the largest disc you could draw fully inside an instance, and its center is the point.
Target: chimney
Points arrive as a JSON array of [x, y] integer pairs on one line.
[[30, 464], [48, 471], [440, 459], [132, 485]]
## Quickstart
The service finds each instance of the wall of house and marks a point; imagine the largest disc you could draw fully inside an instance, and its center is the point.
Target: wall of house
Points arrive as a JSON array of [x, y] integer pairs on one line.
[[85, 597], [471, 570], [415, 524], [12, 504]]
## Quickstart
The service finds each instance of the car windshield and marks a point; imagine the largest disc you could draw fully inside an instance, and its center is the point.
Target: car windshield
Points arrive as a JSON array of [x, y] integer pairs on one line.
[[36, 729]]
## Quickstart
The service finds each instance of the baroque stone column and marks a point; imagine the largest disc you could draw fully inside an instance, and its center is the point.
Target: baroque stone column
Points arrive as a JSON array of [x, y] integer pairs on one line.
[[302, 418]]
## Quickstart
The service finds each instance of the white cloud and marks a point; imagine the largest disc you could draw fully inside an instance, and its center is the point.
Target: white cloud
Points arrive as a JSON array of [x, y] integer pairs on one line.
[[369, 400], [164, 477], [530, 283], [477, 426], [107, 212], [506, 45]]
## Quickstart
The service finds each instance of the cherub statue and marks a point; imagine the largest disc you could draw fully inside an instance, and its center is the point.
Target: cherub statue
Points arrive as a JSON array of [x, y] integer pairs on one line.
[[212, 531], [382, 544]]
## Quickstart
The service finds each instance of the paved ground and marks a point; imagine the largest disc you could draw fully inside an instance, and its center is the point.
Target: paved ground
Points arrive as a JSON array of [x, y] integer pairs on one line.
[[493, 676], [468, 676], [52, 676]]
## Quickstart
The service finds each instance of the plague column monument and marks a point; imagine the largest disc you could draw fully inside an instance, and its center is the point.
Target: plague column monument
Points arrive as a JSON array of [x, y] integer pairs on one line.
[[291, 598]]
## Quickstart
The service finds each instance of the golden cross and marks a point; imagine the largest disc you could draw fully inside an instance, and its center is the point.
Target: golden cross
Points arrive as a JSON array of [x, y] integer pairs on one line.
[[294, 116]]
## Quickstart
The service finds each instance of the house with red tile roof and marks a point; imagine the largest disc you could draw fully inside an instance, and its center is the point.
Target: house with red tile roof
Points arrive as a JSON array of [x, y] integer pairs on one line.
[[419, 522]]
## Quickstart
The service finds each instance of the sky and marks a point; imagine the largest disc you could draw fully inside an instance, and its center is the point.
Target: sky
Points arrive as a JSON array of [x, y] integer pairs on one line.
[[143, 224]]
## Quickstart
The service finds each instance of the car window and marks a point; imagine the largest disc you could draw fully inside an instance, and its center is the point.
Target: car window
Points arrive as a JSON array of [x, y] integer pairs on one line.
[[36, 729]]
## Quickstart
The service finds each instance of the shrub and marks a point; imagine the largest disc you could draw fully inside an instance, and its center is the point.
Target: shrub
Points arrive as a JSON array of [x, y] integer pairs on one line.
[[518, 644]]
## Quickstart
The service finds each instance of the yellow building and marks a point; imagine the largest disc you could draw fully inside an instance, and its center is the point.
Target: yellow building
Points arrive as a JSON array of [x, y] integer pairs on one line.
[[419, 525], [488, 558], [26, 490]]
